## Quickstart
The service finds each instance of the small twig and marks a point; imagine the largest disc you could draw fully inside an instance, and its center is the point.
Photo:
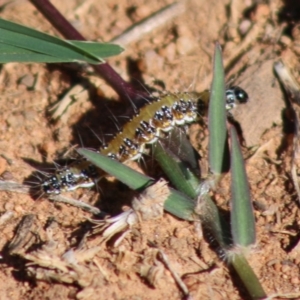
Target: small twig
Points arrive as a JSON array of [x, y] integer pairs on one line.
[[236, 8], [10, 186], [58, 110], [124, 89], [285, 232], [82, 205], [292, 89], [147, 25], [284, 295], [4, 218], [176, 277], [250, 38], [241, 49], [289, 83]]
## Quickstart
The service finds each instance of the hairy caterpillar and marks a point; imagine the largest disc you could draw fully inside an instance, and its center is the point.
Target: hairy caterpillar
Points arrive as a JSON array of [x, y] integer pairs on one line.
[[157, 117]]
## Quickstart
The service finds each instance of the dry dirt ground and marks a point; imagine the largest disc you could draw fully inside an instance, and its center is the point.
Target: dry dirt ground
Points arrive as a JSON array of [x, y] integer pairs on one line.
[[177, 56]]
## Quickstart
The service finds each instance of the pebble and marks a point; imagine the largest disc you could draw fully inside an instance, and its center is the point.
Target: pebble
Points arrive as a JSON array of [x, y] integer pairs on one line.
[[28, 80], [185, 45], [244, 26], [295, 280], [15, 121], [153, 60]]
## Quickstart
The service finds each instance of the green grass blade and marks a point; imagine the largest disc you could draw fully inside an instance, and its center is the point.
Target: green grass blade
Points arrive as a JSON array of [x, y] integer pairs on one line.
[[175, 170], [128, 176], [9, 53], [23, 44], [214, 222], [98, 49], [242, 217], [218, 148], [180, 206], [179, 144], [247, 276], [176, 204]]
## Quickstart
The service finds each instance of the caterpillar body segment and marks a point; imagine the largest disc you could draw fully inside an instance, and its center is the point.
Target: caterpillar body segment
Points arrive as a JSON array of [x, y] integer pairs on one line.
[[152, 122]]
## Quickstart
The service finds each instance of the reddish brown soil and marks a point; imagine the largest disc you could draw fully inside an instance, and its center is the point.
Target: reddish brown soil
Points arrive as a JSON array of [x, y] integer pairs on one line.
[[179, 54]]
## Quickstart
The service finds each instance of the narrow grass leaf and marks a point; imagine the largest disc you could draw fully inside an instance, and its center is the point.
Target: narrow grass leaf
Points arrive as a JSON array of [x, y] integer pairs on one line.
[[128, 176], [180, 206], [175, 170], [218, 149], [214, 222], [242, 217], [248, 277], [9, 53], [179, 144], [19, 43], [98, 49]]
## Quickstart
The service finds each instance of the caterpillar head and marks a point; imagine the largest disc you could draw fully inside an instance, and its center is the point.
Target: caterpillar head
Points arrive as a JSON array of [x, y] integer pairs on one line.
[[234, 96]]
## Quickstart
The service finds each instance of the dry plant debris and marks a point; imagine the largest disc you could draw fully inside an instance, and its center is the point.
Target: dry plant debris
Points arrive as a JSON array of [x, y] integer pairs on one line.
[[69, 262]]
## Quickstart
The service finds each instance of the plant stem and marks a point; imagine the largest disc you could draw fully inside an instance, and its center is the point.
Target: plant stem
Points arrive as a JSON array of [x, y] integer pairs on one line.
[[248, 276], [124, 89]]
